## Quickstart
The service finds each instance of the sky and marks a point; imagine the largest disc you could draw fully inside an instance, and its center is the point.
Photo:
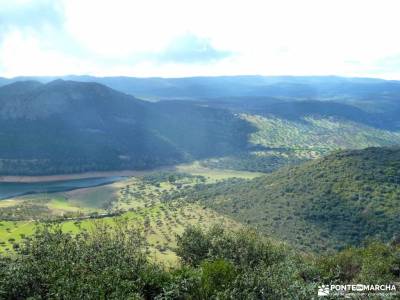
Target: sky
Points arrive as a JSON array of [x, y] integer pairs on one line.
[[178, 38]]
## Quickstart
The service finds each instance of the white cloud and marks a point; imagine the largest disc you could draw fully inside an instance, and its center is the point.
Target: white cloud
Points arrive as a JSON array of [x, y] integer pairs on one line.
[[271, 37]]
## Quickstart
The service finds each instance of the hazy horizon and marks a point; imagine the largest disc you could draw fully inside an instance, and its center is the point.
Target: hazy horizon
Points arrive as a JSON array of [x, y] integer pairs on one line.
[[66, 76]]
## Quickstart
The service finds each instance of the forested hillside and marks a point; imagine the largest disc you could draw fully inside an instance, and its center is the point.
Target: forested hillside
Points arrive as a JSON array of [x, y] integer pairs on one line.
[[70, 126], [280, 141], [65, 126], [345, 198]]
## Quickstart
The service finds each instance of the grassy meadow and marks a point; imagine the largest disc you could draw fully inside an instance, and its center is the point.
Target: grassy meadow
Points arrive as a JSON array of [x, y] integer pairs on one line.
[[137, 199]]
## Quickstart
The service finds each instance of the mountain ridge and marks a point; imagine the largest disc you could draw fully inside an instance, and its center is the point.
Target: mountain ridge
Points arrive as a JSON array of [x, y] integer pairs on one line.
[[240, 85], [88, 127]]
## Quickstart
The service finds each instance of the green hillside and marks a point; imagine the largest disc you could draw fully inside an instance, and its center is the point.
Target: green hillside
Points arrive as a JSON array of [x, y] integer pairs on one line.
[[344, 198], [279, 141], [70, 127], [318, 134]]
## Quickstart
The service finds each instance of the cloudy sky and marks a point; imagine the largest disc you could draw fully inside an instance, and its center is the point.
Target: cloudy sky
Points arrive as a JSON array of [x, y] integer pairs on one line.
[[174, 38]]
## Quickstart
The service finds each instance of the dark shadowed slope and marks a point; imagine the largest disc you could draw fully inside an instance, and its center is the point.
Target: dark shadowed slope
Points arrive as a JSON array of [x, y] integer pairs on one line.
[[67, 126]]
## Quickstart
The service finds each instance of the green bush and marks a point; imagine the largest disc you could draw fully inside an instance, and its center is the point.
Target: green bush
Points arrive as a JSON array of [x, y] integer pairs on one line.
[[110, 263], [216, 276]]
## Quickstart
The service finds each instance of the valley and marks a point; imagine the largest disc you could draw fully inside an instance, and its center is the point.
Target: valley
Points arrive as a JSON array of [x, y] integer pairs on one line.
[[199, 150], [302, 180], [219, 143], [138, 199]]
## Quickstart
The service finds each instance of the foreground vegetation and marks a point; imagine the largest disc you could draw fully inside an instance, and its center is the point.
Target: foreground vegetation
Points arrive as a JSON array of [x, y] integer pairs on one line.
[[109, 262]]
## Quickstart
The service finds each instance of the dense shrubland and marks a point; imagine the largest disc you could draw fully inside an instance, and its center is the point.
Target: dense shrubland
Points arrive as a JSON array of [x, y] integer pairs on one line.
[[110, 263], [343, 199]]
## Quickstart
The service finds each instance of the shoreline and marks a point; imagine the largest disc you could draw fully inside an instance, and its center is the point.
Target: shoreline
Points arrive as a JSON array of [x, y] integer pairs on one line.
[[86, 175]]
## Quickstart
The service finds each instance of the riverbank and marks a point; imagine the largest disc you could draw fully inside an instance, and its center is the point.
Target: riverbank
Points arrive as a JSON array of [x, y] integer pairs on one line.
[[62, 177]]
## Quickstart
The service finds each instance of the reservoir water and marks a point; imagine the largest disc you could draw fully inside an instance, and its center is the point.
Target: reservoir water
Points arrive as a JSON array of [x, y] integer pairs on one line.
[[13, 189]]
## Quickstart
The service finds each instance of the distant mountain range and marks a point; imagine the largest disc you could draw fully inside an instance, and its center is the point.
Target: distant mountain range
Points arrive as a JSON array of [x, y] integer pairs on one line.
[[376, 97], [257, 123], [297, 87]]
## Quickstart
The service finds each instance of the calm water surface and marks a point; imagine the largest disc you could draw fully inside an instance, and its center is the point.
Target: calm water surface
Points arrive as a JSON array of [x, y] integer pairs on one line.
[[13, 189]]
